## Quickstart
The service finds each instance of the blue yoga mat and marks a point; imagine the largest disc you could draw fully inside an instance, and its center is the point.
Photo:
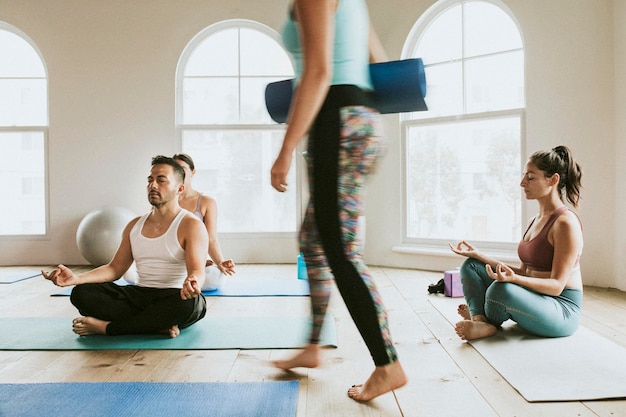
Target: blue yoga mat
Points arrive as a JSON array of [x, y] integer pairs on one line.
[[66, 291], [10, 274], [399, 86], [234, 287], [212, 332], [149, 399]]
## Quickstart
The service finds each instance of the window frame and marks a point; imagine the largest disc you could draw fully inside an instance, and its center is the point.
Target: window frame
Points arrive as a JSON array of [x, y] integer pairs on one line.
[[504, 250], [42, 129], [300, 167], [443, 243]]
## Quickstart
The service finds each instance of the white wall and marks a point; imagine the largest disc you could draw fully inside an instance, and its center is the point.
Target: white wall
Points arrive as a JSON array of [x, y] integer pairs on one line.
[[619, 263], [111, 68], [570, 100]]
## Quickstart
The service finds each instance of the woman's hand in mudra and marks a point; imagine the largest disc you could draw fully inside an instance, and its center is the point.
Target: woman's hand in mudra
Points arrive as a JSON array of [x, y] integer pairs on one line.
[[464, 249], [502, 273]]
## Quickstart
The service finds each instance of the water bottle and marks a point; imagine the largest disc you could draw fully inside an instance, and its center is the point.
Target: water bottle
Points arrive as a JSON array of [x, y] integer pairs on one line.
[[301, 267]]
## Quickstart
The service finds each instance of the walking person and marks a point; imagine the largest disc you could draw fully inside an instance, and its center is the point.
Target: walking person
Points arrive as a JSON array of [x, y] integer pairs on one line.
[[333, 43]]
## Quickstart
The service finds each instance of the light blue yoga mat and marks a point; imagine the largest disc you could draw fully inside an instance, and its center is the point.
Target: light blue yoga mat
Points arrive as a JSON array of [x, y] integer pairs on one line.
[[149, 399], [11, 274], [66, 291], [233, 287], [55, 333], [261, 288]]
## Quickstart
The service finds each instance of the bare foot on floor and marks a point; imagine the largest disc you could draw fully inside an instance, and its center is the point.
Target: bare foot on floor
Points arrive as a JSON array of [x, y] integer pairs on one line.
[[84, 326], [470, 330], [463, 311], [310, 357], [382, 380], [171, 332]]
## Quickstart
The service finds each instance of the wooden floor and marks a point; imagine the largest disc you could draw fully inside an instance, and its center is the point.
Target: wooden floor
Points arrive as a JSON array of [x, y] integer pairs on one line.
[[447, 376]]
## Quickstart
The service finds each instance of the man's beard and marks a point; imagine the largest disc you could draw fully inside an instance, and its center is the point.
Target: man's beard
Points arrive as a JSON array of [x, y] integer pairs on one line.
[[158, 203]]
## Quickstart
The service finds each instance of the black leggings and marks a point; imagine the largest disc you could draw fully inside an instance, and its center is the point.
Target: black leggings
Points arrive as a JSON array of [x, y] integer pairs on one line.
[[344, 146], [132, 309]]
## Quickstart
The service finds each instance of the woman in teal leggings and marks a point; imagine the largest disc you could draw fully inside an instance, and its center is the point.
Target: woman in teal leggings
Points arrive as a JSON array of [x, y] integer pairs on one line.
[[544, 294]]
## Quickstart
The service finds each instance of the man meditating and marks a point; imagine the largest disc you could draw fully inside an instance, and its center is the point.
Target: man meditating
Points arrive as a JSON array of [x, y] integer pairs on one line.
[[168, 245]]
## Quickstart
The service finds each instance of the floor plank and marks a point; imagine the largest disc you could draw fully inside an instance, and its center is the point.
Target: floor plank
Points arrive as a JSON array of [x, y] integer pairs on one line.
[[447, 376]]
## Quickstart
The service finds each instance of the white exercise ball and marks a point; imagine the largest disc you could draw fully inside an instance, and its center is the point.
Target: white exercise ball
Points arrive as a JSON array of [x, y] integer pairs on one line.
[[100, 232]]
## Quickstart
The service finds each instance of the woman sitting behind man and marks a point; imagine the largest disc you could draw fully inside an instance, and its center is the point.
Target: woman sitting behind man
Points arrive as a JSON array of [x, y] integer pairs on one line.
[[205, 208]]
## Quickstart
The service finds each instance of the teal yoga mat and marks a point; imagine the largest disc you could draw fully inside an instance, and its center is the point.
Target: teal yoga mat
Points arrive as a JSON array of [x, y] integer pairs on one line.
[[235, 287], [149, 399], [11, 274], [55, 333]]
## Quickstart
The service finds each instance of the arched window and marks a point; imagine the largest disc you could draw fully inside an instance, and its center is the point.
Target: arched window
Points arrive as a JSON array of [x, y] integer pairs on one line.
[[463, 155], [23, 134], [224, 125]]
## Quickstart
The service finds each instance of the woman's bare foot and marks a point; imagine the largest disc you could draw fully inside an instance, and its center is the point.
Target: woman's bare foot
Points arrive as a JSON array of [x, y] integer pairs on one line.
[[463, 311], [470, 330], [382, 380], [84, 326], [310, 357]]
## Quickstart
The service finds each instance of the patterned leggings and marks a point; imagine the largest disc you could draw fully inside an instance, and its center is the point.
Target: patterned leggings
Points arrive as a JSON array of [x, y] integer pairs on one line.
[[343, 149]]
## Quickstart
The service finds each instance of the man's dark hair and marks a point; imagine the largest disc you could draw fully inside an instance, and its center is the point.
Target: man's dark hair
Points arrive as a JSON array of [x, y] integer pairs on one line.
[[179, 172]]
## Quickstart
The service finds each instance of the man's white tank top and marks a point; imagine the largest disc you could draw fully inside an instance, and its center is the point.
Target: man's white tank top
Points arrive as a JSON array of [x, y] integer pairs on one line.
[[160, 260]]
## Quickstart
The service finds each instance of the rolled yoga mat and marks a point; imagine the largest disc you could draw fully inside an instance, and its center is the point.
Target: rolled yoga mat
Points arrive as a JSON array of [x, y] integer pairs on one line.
[[399, 86]]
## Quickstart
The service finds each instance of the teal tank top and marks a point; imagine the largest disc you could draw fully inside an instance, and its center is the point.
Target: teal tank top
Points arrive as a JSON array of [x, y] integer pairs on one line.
[[351, 44]]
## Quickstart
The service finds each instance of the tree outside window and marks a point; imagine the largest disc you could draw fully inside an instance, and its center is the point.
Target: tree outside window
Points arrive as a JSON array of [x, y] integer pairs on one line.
[[226, 129], [463, 155]]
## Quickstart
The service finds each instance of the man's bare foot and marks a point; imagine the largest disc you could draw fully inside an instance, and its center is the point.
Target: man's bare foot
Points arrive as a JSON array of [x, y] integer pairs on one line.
[[470, 330], [310, 357], [382, 380], [172, 332], [463, 311], [84, 326]]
